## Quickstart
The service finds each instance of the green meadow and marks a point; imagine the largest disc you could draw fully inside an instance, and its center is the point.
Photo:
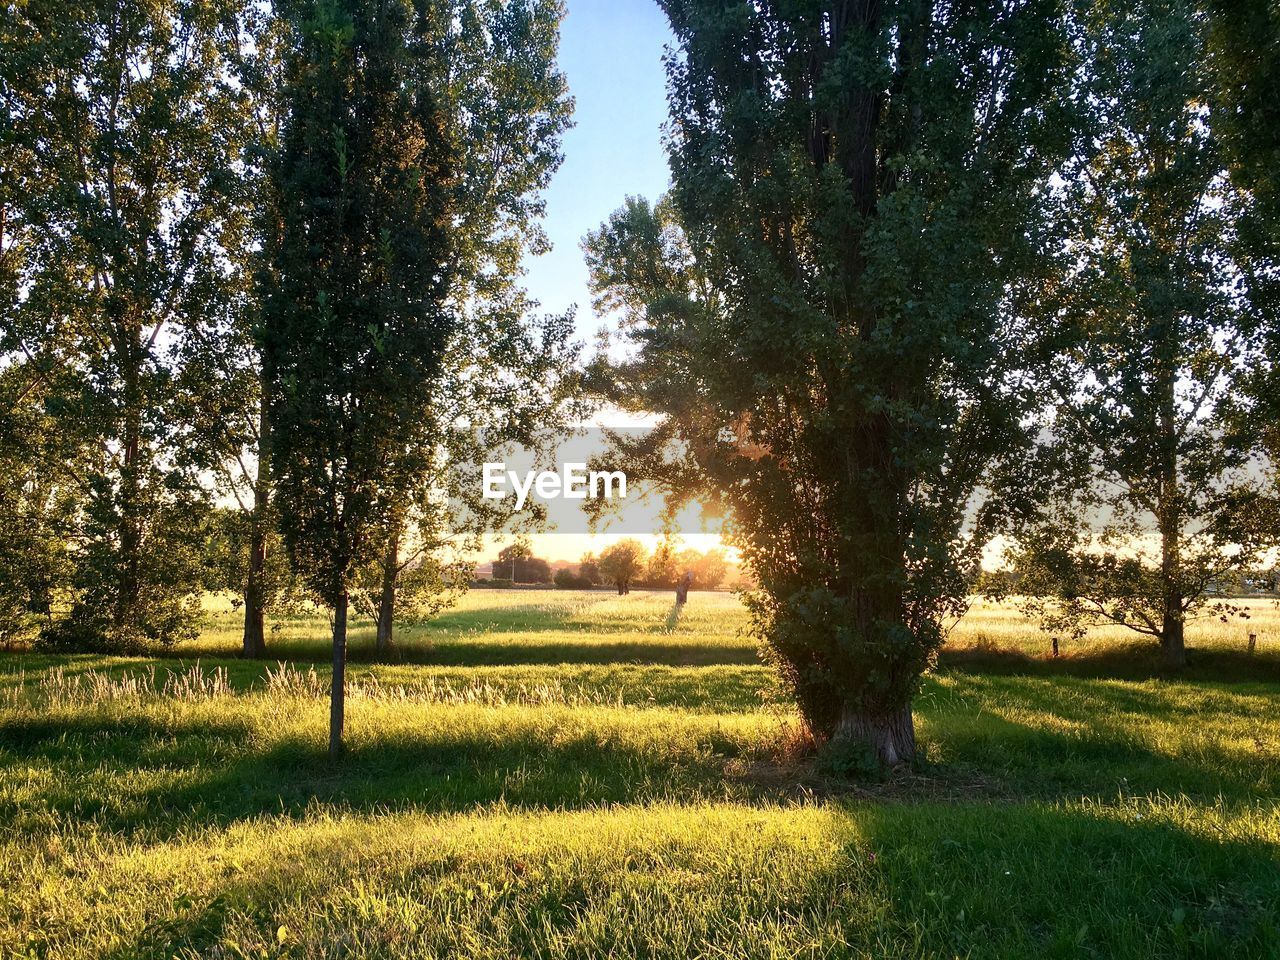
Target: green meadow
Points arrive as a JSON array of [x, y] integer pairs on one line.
[[580, 775]]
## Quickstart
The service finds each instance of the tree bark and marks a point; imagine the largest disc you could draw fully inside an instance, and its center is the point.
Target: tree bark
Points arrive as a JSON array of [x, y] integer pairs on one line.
[[891, 736], [337, 691], [254, 645], [387, 601], [1172, 625], [1169, 519], [128, 584], [1172, 639]]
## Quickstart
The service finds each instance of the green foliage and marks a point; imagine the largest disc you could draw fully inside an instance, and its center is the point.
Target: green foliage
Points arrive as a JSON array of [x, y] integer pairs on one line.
[[355, 323], [622, 562], [709, 569], [849, 759], [164, 601], [567, 579], [225, 558], [1154, 336], [36, 510], [122, 127], [517, 564], [589, 567], [1244, 78], [824, 309]]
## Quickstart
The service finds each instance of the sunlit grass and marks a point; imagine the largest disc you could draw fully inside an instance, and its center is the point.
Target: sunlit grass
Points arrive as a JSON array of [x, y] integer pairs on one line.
[[522, 626], [667, 880], [1001, 626], [551, 627]]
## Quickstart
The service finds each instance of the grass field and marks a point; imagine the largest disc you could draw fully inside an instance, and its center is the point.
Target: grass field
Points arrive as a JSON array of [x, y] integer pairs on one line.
[[552, 774]]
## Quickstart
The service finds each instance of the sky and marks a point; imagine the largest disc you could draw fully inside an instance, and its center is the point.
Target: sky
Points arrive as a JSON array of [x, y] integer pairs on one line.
[[611, 54]]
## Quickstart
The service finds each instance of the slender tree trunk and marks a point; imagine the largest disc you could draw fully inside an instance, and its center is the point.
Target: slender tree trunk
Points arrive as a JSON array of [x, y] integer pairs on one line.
[[255, 601], [387, 601], [254, 645], [1169, 506], [892, 736], [337, 693], [128, 582], [1172, 625]]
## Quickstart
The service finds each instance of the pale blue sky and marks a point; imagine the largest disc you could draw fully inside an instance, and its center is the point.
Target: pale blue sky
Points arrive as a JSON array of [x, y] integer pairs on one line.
[[611, 53]]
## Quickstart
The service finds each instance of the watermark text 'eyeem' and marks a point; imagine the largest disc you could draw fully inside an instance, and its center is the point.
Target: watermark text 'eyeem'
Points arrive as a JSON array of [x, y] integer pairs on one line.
[[572, 482]]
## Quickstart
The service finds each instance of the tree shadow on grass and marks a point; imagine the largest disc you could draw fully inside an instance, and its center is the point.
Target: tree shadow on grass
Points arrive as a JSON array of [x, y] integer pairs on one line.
[[1069, 738], [1034, 880], [673, 654], [673, 618], [974, 880], [158, 777], [1128, 662]]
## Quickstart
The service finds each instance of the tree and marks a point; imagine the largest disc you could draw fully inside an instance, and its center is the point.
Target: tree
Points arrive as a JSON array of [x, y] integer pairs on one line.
[[518, 561], [122, 130], [412, 579], [221, 396], [1157, 335], [227, 553], [621, 563], [509, 376], [709, 569], [589, 569], [354, 301], [492, 70], [1245, 117], [823, 312], [510, 555], [567, 579], [1244, 76], [37, 509], [662, 568]]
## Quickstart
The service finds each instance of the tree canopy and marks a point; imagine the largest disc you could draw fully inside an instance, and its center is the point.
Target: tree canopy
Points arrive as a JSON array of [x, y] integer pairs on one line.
[[823, 311]]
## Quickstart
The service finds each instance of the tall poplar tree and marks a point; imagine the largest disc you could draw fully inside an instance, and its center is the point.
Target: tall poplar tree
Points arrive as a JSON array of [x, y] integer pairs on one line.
[[824, 313], [355, 319], [510, 374]]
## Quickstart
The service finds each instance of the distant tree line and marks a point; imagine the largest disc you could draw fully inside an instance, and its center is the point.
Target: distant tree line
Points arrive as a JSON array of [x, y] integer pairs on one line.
[[622, 565]]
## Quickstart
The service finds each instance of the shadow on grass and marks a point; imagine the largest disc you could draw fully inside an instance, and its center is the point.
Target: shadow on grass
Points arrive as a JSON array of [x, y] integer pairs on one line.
[[673, 618], [1129, 662], [462, 652], [1067, 737], [1031, 880], [973, 880], [156, 772], [159, 776]]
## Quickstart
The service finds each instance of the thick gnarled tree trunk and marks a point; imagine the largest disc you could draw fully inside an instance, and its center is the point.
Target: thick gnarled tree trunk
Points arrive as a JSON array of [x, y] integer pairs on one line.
[[891, 736]]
